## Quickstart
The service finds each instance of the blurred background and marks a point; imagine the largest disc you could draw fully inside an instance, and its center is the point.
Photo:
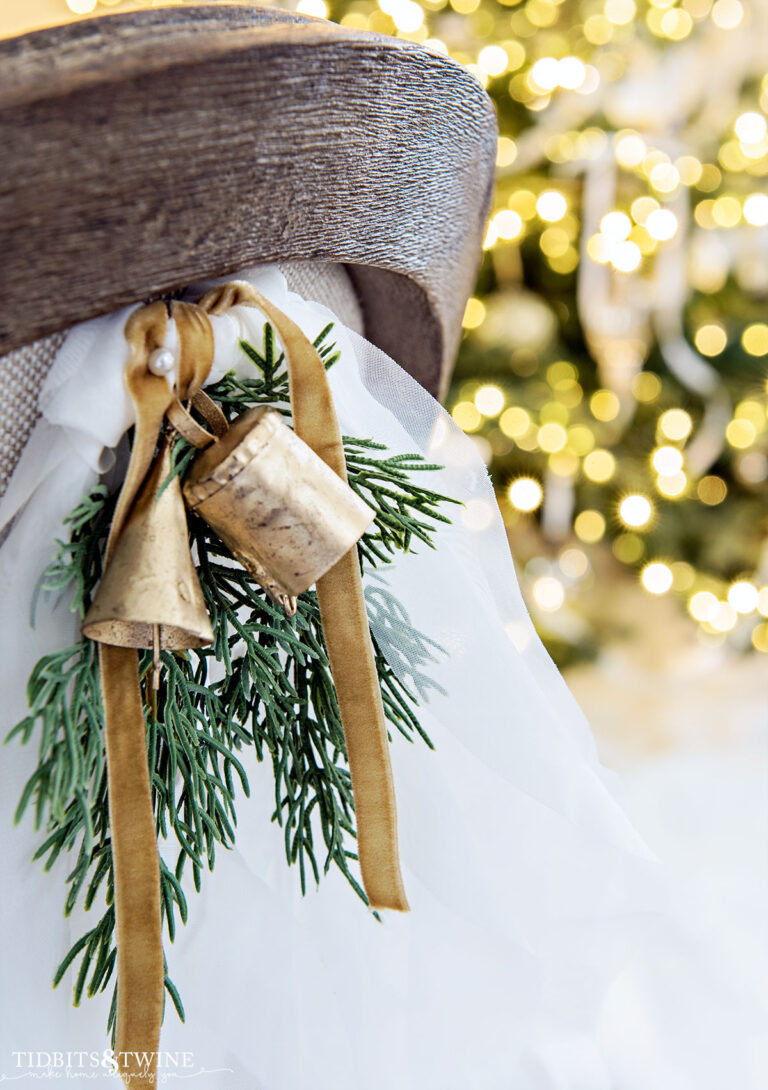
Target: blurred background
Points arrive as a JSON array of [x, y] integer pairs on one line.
[[614, 375]]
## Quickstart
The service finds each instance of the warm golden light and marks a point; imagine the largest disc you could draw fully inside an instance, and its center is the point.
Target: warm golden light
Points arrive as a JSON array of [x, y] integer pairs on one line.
[[667, 461], [703, 605], [657, 577], [551, 206], [676, 424], [493, 60], [489, 400], [710, 339], [750, 127], [754, 339], [672, 485], [635, 511], [604, 405], [628, 548], [574, 563], [742, 596], [552, 437], [727, 14], [514, 422], [741, 434], [508, 224], [724, 618], [615, 226], [548, 593], [756, 210], [711, 490], [646, 386], [466, 415], [599, 466], [319, 9], [626, 256], [661, 224], [474, 313], [589, 526], [525, 494]]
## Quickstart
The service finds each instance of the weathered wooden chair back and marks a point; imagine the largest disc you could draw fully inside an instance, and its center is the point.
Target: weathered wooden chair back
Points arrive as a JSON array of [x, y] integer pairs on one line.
[[146, 150]]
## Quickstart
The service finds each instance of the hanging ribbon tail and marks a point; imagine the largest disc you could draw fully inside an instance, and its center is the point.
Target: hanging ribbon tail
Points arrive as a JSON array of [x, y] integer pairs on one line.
[[345, 623], [136, 865]]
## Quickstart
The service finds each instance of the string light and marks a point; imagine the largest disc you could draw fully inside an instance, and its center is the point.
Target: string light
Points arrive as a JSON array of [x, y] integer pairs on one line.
[[710, 339], [667, 461], [574, 563], [551, 206], [474, 313], [489, 400], [724, 618], [630, 149], [742, 597], [646, 386], [635, 511], [615, 226], [548, 593], [515, 422], [754, 339], [741, 434], [317, 8], [493, 60], [525, 494], [657, 577], [467, 416], [661, 224], [750, 127], [727, 14], [589, 526], [703, 605], [552, 437], [508, 224], [599, 466], [604, 405], [672, 485], [726, 211], [676, 424], [628, 548], [756, 210], [711, 490]]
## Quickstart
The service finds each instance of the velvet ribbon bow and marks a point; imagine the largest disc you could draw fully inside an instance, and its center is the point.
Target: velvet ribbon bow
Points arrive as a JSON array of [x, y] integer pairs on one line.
[[140, 960]]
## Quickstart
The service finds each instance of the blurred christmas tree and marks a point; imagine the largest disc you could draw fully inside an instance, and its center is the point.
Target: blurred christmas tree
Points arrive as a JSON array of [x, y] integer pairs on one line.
[[613, 371]]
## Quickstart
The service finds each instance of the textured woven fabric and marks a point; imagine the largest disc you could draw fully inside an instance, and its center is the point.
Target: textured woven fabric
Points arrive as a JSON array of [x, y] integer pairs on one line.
[[21, 375], [22, 372]]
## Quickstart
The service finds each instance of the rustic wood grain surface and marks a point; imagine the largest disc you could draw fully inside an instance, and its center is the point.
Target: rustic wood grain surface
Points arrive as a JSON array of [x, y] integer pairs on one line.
[[145, 150]]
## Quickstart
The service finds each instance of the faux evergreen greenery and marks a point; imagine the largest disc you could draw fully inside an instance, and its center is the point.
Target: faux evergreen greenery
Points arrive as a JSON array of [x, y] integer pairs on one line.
[[265, 683]]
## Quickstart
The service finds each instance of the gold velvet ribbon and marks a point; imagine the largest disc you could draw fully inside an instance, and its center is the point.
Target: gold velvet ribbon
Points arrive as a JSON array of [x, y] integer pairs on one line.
[[342, 610], [140, 962], [136, 868]]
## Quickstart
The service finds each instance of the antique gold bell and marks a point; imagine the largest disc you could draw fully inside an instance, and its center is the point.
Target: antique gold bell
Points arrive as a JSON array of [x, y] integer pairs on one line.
[[149, 596], [284, 514]]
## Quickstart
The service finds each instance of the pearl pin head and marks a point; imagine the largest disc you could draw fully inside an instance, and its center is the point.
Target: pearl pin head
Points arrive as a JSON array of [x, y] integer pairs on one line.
[[161, 362]]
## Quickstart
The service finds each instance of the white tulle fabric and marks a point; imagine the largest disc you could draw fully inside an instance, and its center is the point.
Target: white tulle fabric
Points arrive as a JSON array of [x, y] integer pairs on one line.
[[541, 952]]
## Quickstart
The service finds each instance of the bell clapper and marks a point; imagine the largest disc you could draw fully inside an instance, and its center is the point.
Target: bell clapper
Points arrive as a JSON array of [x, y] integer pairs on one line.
[[156, 668]]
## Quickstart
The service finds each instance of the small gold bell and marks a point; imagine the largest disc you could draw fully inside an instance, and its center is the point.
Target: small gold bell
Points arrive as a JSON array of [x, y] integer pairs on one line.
[[284, 514], [150, 583]]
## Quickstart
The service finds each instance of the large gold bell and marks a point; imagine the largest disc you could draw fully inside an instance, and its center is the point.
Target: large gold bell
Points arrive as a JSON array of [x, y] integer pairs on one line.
[[150, 583], [284, 514]]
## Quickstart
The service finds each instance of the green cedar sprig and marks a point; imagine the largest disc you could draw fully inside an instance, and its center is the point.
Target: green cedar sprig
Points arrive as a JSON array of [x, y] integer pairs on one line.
[[276, 695]]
